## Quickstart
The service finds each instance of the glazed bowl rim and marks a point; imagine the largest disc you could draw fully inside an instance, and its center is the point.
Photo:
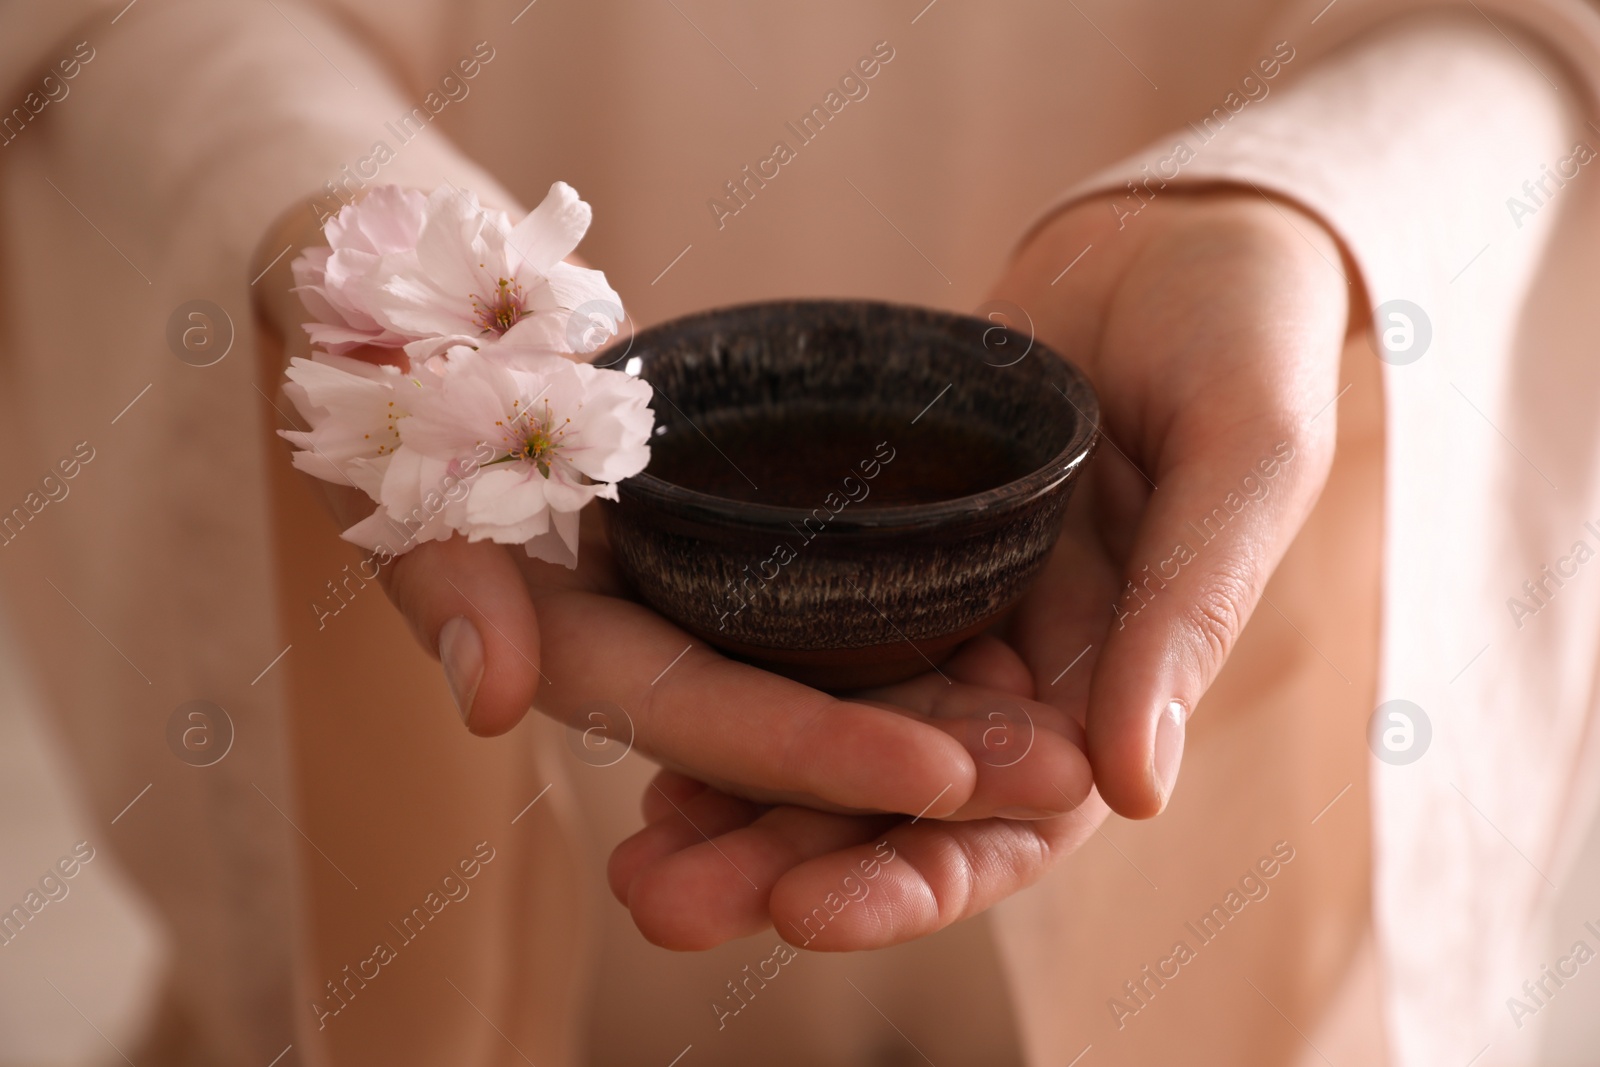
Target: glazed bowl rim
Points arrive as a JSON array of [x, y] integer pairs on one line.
[[658, 493]]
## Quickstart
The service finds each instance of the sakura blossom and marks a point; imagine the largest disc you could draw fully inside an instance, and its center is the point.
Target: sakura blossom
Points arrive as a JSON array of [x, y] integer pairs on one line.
[[490, 427], [536, 438], [404, 270]]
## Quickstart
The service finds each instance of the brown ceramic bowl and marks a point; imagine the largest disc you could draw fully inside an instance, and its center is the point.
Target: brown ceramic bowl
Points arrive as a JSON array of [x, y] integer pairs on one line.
[[761, 408]]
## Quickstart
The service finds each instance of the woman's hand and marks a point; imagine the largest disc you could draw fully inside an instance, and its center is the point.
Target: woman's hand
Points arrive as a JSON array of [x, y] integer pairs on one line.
[[513, 631], [1212, 327], [710, 866]]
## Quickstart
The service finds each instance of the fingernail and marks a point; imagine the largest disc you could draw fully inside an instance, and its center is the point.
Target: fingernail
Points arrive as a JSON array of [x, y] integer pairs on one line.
[[461, 652], [1167, 752]]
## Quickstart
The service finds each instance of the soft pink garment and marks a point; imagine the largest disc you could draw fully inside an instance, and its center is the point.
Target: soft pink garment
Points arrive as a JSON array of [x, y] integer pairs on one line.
[[1490, 478], [196, 123]]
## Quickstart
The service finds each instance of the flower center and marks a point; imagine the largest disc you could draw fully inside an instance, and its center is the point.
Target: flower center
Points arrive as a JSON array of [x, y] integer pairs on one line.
[[499, 312], [530, 439]]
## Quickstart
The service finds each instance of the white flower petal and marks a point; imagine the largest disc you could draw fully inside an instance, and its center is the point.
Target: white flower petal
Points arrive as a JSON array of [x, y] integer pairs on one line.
[[377, 531], [428, 349], [505, 496], [563, 492], [552, 230], [387, 219], [560, 545], [350, 405]]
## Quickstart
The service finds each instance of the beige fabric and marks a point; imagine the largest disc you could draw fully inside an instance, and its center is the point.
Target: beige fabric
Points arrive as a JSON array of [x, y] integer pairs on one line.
[[197, 123], [90, 915], [1470, 841]]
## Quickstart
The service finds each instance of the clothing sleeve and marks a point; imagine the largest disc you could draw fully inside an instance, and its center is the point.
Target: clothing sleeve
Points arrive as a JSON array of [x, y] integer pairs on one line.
[[222, 115], [1403, 131], [1449, 148], [34, 34], [138, 180]]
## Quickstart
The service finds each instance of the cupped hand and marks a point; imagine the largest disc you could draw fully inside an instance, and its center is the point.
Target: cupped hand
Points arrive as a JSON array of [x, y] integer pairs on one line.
[[1212, 326], [514, 633], [710, 866]]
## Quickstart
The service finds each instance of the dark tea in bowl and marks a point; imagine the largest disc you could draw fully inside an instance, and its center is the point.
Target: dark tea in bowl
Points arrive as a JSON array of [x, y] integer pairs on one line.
[[844, 491]]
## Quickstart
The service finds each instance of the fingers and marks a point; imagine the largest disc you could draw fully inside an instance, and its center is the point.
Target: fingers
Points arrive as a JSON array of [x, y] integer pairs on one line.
[[683, 825], [668, 791], [737, 727], [468, 605], [1211, 538], [1240, 328], [717, 888], [1060, 626], [991, 663], [701, 872], [917, 879], [1029, 756], [827, 882]]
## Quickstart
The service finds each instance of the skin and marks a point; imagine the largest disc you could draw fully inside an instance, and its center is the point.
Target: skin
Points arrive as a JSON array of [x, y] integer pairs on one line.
[[1211, 326]]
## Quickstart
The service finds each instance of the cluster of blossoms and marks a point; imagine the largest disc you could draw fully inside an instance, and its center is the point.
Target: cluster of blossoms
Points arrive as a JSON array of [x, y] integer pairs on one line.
[[446, 379]]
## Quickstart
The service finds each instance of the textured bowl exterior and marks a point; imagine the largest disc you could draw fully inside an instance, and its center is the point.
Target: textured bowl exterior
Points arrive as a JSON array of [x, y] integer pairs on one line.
[[845, 595]]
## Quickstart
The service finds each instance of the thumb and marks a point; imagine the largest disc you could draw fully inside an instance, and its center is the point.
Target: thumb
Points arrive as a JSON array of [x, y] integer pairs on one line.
[[1214, 529], [468, 604]]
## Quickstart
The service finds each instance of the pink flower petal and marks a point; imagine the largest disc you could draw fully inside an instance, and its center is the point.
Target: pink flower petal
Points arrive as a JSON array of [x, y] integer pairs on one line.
[[552, 230]]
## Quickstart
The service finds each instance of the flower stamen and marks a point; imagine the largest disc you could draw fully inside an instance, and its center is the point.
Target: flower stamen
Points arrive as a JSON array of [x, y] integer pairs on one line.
[[502, 311], [533, 440]]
